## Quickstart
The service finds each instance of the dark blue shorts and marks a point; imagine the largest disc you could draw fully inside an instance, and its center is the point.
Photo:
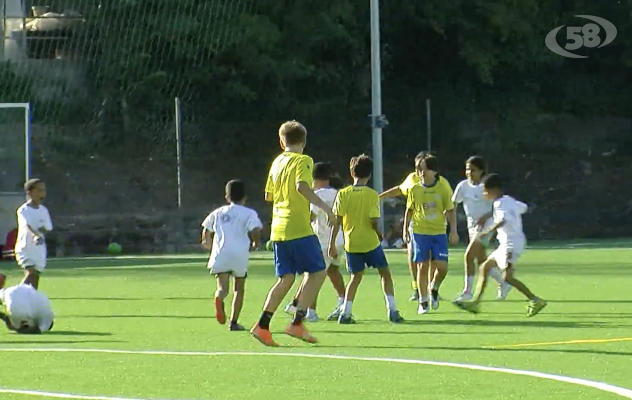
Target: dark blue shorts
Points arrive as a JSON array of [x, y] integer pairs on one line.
[[375, 258], [298, 256], [430, 247]]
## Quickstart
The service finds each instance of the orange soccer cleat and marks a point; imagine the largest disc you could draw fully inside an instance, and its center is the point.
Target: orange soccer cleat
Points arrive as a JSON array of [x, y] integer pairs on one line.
[[263, 335], [299, 332]]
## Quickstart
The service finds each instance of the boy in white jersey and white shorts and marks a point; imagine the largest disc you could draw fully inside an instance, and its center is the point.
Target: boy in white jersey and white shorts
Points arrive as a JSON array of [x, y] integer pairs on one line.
[[28, 310], [507, 214], [326, 186], [230, 232], [478, 212], [33, 224]]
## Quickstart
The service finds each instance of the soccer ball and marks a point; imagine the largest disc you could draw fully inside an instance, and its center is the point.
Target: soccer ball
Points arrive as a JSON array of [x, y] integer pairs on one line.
[[114, 248], [269, 246]]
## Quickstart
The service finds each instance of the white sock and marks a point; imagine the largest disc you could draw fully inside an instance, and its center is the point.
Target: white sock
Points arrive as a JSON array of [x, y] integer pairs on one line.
[[469, 284], [496, 274], [424, 299], [341, 301], [311, 312], [347, 308], [390, 302], [433, 286]]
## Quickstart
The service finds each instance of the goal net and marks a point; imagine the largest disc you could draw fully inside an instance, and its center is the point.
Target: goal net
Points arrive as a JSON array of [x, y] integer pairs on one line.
[[14, 159]]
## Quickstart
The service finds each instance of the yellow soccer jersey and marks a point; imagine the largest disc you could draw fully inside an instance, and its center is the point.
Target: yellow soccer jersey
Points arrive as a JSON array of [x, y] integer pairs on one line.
[[290, 213], [413, 178], [428, 205], [358, 205]]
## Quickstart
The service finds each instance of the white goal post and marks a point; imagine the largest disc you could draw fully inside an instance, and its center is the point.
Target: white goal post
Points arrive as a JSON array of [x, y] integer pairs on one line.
[[11, 199]]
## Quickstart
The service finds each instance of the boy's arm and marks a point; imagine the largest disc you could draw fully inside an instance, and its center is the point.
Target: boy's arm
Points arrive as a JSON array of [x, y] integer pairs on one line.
[[451, 217], [207, 239], [255, 238], [408, 216], [307, 192], [335, 228], [392, 192]]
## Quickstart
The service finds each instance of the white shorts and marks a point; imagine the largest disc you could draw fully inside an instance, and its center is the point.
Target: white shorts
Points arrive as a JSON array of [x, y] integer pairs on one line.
[[333, 261], [36, 259], [505, 255], [236, 266]]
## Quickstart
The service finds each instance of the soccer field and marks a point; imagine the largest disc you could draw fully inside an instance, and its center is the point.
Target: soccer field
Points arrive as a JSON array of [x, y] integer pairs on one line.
[[144, 328]]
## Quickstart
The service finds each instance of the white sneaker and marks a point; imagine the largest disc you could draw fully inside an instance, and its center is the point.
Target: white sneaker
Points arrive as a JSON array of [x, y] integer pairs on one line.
[[434, 302], [335, 314], [465, 296], [290, 309], [503, 290], [311, 316], [423, 309]]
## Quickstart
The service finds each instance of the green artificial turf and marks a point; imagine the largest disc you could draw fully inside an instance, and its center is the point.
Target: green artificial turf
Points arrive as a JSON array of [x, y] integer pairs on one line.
[[163, 303]]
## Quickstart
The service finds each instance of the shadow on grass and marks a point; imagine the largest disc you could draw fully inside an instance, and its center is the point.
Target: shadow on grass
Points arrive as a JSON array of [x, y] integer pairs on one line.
[[132, 298], [530, 323], [142, 316], [76, 333], [44, 341], [355, 332]]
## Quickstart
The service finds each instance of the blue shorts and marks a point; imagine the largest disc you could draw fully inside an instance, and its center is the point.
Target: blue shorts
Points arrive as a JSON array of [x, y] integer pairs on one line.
[[375, 258], [298, 256], [430, 247]]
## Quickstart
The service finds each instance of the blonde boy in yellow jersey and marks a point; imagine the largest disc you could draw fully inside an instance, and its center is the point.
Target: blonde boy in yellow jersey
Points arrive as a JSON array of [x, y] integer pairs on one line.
[[427, 203], [402, 190], [296, 248], [357, 208]]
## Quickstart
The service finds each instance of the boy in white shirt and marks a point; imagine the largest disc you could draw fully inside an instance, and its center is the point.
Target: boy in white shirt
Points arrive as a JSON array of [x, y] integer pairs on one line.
[[28, 310], [478, 212], [230, 232], [507, 214], [326, 186], [33, 224]]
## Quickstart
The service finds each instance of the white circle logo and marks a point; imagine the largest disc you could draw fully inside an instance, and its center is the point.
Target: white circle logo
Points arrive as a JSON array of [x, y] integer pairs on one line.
[[582, 36]]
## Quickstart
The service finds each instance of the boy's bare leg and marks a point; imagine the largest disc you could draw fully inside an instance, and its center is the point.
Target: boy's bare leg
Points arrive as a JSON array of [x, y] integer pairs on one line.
[[238, 302], [350, 293], [412, 267], [338, 282], [31, 277], [261, 330], [223, 281], [513, 281], [475, 252], [482, 279], [422, 280], [313, 282]]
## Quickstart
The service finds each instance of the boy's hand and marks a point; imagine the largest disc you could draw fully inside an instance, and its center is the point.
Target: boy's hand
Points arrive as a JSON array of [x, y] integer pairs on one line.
[[332, 252], [406, 236], [331, 218], [454, 238], [254, 246], [206, 244]]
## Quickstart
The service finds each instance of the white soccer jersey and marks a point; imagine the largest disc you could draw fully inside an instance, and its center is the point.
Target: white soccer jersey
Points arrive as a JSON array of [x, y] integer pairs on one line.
[[231, 244], [474, 204], [27, 306], [510, 210], [319, 224], [27, 252]]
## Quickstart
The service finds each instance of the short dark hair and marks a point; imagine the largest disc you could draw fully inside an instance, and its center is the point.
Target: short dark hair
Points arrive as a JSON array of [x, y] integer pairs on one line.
[[236, 190], [31, 183], [322, 171], [492, 181], [336, 182], [432, 163], [419, 157], [361, 166], [478, 162], [293, 132]]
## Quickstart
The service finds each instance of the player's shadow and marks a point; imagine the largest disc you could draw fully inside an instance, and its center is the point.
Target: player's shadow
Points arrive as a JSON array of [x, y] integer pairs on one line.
[[57, 341], [356, 332], [142, 316], [132, 298], [525, 323], [76, 333]]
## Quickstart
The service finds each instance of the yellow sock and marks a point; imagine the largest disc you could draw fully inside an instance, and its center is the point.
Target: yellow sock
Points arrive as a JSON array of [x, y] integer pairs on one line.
[[413, 284]]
